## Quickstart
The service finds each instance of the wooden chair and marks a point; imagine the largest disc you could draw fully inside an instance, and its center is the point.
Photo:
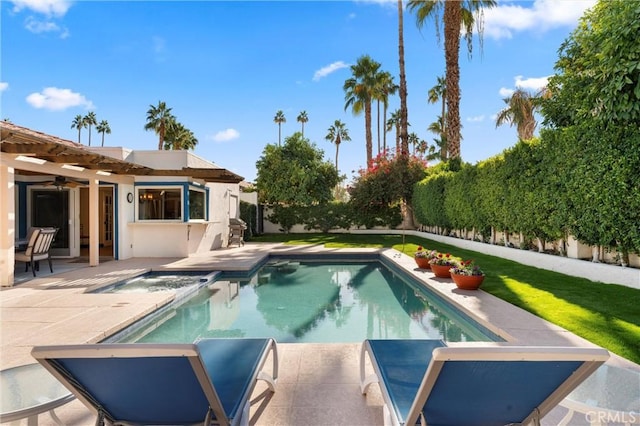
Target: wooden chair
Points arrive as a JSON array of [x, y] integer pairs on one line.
[[39, 248]]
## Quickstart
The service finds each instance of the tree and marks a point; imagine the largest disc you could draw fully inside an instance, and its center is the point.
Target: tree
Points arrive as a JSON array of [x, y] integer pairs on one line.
[[78, 123], [337, 133], [302, 118], [90, 120], [404, 113], [103, 127], [394, 123], [158, 118], [359, 93], [179, 137], [385, 88], [414, 141], [295, 173], [435, 94], [520, 111], [279, 119], [455, 15]]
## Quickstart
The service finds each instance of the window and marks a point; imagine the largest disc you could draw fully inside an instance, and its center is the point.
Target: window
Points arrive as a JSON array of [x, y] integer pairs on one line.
[[160, 204], [196, 204]]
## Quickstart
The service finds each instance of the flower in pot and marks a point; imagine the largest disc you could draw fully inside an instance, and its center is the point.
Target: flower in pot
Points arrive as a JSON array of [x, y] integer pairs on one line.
[[423, 256], [441, 264], [467, 275]]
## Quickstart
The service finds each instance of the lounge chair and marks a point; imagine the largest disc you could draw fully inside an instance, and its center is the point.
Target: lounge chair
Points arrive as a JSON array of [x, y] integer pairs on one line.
[[208, 382], [38, 248], [425, 382]]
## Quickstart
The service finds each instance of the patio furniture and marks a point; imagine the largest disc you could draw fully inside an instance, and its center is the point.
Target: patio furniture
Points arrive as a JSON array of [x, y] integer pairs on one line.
[[38, 248], [426, 382], [29, 390], [207, 382], [236, 231]]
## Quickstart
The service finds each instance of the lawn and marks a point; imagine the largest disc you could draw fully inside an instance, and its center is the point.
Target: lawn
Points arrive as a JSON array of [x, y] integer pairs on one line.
[[605, 314]]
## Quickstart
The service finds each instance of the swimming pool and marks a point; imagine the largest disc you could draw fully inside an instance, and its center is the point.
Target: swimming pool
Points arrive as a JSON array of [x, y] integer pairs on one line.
[[312, 302]]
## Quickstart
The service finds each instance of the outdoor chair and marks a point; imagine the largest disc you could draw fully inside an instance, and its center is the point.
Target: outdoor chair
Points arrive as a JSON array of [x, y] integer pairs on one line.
[[38, 248], [426, 382], [207, 382]]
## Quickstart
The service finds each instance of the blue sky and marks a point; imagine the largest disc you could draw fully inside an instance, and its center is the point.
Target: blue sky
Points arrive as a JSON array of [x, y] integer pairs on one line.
[[225, 68]]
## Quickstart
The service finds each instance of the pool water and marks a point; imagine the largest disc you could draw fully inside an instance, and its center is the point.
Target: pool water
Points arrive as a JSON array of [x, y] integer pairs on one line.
[[313, 302]]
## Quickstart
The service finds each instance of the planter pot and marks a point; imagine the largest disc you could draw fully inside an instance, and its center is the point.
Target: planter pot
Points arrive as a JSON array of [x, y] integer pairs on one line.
[[467, 282], [422, 262], [441, 271]]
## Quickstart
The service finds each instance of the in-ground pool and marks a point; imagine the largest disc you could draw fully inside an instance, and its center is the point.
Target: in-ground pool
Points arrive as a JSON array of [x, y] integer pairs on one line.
[[310, 301], [159, 281]]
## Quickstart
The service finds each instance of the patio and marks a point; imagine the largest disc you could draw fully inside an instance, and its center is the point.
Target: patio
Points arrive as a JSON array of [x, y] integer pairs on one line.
[[318, 383]]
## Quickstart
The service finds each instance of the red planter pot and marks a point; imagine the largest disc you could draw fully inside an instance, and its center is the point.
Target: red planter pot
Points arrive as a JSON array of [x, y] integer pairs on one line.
[[422, 262], [467, 282], [441, 271]]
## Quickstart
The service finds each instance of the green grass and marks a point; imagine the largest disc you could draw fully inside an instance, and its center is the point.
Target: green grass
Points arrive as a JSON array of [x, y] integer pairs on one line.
[[607, 315]]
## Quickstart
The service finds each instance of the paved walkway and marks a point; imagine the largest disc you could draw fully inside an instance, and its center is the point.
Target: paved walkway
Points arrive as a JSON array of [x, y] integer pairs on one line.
[[318, 383]]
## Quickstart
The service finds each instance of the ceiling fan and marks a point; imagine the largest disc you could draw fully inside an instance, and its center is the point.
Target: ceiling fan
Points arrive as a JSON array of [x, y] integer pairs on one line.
[[61, 182]]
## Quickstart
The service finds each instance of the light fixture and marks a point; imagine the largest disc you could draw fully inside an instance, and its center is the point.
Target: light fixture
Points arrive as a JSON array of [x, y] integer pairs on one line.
[[31, 160], [103, 173], [72, 167]]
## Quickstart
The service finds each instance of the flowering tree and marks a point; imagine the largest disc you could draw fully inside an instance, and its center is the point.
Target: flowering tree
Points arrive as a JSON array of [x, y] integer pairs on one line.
[[378, 191]]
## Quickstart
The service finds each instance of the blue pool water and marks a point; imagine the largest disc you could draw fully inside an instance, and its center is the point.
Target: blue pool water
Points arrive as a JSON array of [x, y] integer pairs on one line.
[[152, 282], [303, 301]]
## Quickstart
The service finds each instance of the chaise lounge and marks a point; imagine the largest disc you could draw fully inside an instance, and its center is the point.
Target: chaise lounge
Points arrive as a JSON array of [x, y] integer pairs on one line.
[[208, 382], [428, 383]]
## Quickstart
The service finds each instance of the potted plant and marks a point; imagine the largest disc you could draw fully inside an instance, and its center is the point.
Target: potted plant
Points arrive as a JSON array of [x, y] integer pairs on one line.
[[422, 257], [441, 264], [467, 275]]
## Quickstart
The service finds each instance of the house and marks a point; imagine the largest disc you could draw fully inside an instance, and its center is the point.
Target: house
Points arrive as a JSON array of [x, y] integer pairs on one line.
[[125, 203]]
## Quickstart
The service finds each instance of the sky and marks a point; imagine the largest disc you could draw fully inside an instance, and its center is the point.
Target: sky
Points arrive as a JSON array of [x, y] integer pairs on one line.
[[226, 67]]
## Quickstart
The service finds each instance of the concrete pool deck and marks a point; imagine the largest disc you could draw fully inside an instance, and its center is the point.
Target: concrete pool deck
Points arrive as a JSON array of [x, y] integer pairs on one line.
[[318, 383]]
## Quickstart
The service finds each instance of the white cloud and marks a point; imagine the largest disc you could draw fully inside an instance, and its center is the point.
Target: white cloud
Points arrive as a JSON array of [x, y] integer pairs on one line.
[[502, 21], [55, 99], [226, 135], [326, 70], [505, 93], [46, 7], [533, 84], [476, 119], [3, 86], [36, 26]]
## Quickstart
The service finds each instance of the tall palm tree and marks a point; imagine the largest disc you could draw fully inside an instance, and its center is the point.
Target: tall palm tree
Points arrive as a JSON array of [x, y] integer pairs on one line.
[[302, 118], [386, 87], [78, 123], [414, 140], [455, 15], [359, 93], [90, 120], [404, 113], [279, 119], [103, 127], [393, 123], [337, 133], [435, 94], [520, 111], [157, 119]]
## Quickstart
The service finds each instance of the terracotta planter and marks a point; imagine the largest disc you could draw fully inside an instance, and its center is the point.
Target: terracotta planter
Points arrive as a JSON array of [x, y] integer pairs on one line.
[[441, 271], [422, 262], [467, 282]]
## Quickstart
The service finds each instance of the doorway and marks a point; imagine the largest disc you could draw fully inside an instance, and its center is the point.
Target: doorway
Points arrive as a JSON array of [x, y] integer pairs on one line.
[[105, 221], [50, 208]]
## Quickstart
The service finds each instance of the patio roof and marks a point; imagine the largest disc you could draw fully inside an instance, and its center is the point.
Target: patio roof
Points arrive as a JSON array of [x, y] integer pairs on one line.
[[23, 141]]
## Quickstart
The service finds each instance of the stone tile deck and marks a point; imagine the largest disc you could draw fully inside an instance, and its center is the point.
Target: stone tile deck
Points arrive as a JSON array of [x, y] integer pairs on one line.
[[318, 383]]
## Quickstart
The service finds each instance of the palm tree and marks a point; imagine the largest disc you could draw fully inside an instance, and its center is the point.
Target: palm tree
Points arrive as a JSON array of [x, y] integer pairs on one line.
[[279, 119], [454, 14], [435, 94], [179, 137], [90, 120], [359, 92], [520, 111], [394, 123], [78, 123], [337, 133], [404, 113], [303, 118], [157, 119], [103, 127], [414, 140], [386, 88]]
